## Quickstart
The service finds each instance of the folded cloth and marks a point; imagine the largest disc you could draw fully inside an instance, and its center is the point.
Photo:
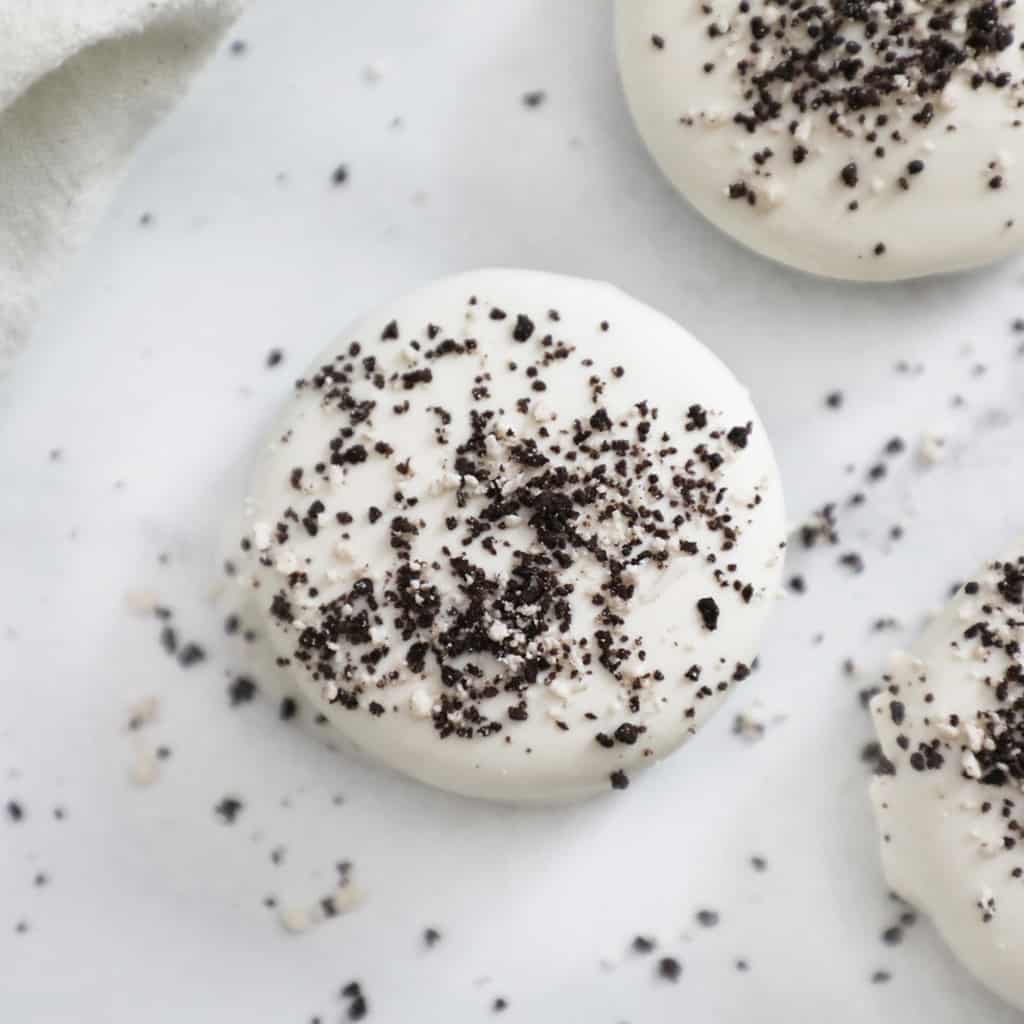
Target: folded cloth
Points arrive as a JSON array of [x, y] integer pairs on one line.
[[81, 81]]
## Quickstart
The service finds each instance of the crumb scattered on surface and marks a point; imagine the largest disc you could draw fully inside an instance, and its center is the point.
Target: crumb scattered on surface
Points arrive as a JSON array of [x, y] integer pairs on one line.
[[708, 918], [228, 810], [669, 968]]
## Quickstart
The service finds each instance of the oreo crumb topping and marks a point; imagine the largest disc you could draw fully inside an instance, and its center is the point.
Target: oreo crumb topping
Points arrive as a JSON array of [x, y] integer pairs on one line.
[[873, 75], [985, 745], [602, 497], [708, 609]]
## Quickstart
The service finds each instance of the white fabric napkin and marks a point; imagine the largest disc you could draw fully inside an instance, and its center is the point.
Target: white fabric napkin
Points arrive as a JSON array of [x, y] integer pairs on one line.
[[81, 81]]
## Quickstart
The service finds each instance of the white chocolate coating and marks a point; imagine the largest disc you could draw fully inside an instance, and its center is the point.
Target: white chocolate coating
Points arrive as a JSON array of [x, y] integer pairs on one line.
[[494, 597], [950, 815], [935, 186]]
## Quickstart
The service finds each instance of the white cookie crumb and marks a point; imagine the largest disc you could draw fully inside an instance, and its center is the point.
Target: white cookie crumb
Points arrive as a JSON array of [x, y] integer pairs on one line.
[[145, 769], [261, 535], [931, 449]]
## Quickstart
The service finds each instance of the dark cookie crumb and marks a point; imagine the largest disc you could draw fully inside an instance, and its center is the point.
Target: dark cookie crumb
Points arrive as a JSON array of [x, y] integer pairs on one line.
[[191, 654], [228, 809], [241, 691], [358, 1007], [669, 968], [708, 609]]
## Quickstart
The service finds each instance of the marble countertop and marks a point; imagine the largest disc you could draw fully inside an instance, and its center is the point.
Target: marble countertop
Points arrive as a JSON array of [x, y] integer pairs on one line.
[[124, 436]]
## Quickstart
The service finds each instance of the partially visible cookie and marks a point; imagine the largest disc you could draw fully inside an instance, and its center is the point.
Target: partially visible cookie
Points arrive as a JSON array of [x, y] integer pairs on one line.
[[871, 141]]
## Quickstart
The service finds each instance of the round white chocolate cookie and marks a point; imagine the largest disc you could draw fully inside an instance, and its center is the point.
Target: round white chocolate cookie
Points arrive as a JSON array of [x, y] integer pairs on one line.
[[516, 535], [949, 798], [857, 140]]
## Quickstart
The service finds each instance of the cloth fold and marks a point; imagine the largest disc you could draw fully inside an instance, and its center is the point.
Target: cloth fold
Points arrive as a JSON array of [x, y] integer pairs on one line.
[[81, 82]]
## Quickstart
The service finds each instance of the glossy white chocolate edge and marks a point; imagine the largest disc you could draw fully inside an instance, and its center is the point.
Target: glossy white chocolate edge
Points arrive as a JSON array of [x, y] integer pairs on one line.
[[949, 813], [603, 351], [960, 209]]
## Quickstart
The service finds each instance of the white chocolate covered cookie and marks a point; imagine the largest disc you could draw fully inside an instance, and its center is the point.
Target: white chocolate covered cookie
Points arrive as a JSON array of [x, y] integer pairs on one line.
[[871, 141], [950, 799], [516, 535]]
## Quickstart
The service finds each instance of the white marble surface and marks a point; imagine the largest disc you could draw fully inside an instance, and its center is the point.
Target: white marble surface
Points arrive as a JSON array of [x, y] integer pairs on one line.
[[148, 374]]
